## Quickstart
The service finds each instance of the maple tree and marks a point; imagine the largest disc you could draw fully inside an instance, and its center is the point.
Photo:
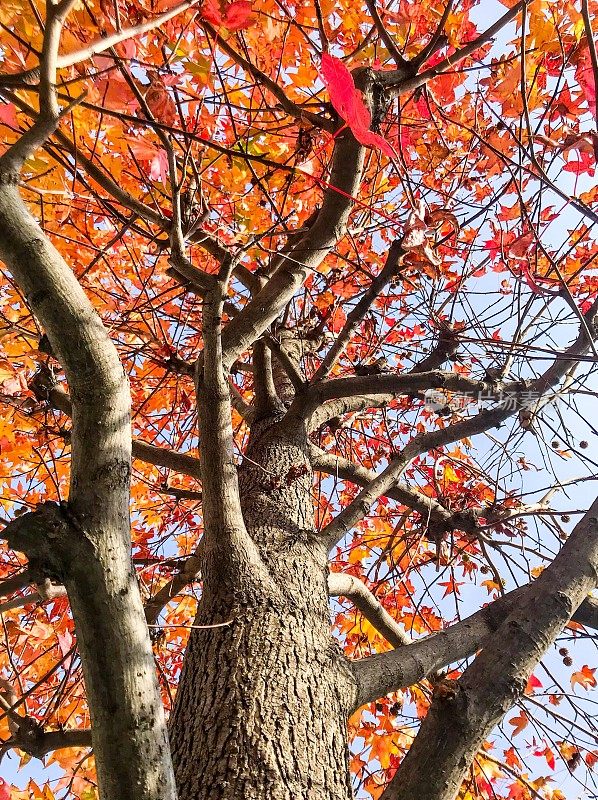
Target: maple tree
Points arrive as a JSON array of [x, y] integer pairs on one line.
[[299, 303]]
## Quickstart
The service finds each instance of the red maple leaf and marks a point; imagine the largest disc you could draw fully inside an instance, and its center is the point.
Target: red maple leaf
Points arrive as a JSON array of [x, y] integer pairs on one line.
[[348, 102], [234, 17], [584, 74]]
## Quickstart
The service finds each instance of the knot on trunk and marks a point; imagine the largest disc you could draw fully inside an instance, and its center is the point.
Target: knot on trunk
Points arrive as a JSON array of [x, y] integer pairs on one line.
[[50, 537], [9, 178]]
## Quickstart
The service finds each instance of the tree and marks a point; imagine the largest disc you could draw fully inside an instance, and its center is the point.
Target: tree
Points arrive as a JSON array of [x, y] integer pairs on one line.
[[296, 297]]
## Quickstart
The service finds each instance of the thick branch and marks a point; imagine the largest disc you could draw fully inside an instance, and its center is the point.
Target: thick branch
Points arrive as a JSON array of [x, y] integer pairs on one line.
[[291, 368], [458, 724], [388, 385], [587, 613], [86, 546], [111, 640], [189, 573], [429, 509], [46, 590], [445, 347], [227, 544], [15, 583], [38, 742], [387, 672], [266, 401]]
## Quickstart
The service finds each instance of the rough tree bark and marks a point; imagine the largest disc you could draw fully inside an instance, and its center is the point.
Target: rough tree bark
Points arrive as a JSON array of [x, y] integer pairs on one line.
[[264, 696], [263, 701]]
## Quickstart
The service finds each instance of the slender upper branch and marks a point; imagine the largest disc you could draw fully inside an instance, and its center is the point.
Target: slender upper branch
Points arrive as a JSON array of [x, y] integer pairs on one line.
[[185, 576], [49, 112], [267, 82], [227, 544], [311, 249], [356, 315], [183, 268], [396, 82], [101, 45], [394, 51], [483, 421], [149, 453], [435, 40]]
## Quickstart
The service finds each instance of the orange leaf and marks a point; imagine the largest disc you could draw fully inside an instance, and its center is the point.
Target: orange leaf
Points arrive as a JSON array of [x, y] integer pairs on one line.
[[585, 677], [511, 758], [6, 371], [451, 587], [519, 722]]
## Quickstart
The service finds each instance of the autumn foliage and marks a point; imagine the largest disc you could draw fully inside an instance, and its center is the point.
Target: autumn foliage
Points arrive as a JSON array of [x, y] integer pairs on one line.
[[219, 120]]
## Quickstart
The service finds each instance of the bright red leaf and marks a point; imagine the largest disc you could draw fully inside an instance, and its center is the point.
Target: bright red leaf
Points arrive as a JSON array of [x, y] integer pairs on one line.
[[584, 75], [348, 102], [533, 683], [233, 16], [8, 115]]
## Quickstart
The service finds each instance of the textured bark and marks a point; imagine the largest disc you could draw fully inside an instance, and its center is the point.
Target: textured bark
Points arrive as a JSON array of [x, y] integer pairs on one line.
[[86, 544], [262, 705]]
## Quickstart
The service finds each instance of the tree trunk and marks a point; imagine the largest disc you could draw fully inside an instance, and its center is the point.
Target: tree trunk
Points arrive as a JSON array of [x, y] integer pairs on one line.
[[262, 705]]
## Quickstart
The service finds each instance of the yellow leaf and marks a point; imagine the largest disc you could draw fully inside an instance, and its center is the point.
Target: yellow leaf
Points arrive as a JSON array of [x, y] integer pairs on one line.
[[6, 371], [450, 474]]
